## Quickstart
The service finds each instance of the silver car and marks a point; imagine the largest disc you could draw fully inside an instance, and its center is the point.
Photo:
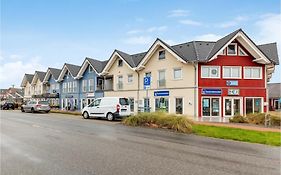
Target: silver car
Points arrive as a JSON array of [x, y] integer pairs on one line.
[[34, 106]]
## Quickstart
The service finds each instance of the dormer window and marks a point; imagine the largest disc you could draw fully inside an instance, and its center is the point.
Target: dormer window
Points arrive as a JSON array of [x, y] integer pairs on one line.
[[91, 69], [232, 49], [241, 52], [120, 63], [161, 54]]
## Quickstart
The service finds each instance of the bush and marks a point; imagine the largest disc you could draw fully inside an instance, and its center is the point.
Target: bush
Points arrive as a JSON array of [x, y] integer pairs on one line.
[[174, 122], [275, 120], [256, 118], [238, 119]]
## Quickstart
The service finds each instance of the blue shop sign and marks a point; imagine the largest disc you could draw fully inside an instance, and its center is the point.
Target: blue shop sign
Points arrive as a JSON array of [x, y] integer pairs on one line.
[[211, 91], [232, 83], [161, 93]]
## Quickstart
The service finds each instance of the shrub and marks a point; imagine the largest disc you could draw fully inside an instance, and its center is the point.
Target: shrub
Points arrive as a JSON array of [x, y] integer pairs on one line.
[[238, 119], [174, 122], [275, 120], [256, 118]]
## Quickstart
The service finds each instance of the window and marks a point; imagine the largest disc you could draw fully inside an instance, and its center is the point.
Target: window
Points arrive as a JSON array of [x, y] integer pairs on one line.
[[210, 106], [147, 74], [57, 86], [91, 85], [120, 82], [161, 54], [241, 52], [130, 78], [177, 73], [162, 104], [64, 87], [95, 103], [232, 49], [210, 72], [161, 78], [69, 86], [232, 72], [252, 72], [132, 104], [74, 86], [146, 105], [253, 105], [179, 106], [84, 85], [91, 69], [120, 63]]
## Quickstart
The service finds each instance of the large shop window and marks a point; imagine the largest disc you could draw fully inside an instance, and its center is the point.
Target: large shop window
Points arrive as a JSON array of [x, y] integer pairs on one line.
[[252, 72], [162, 104], [231, 72], [179, 105], [253, 105], [210, 106], [146, 105], [210, 72]]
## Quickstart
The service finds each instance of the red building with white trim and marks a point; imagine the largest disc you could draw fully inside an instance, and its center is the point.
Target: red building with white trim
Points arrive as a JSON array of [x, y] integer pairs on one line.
[[233, 81]]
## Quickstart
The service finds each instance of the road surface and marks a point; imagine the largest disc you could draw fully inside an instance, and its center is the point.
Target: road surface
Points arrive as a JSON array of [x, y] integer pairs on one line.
[[39, 144]]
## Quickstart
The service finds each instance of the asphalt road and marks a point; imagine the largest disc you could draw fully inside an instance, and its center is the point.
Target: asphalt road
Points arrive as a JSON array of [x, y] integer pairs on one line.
[[39, 144]]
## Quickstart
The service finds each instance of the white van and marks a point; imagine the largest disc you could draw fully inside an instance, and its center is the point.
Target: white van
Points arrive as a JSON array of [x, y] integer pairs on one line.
[[107, 107]]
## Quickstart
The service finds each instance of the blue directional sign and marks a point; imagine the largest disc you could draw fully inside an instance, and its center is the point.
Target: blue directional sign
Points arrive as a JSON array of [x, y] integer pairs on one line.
[[146, 82], [161, 93], [231, 83], [211, 91]]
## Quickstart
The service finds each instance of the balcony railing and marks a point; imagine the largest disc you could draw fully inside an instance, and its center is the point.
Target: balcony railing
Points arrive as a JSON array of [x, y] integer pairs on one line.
[[161, 83], [119, 86]]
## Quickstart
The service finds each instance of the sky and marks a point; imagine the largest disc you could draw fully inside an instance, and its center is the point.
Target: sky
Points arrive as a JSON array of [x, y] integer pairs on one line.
[[39, 34]]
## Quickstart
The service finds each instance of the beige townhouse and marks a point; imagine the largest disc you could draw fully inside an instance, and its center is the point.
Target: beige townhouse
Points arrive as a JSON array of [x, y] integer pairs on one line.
[[28, 88], [38, 85]]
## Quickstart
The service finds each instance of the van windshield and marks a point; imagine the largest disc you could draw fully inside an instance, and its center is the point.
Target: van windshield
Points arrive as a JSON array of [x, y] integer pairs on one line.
[[123, 101]]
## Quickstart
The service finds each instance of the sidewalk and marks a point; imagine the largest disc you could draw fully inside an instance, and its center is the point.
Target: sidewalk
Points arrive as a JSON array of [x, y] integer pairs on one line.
[[240, 126]]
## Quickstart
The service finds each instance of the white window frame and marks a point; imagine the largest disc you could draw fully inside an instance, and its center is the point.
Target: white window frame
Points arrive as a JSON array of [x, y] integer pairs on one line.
[[251, 67], [164, 54], [130, 82], [91, 88], [235, 44], [120, 65], [210, 97], [219, 72], [74, 86], [177, 68], [182, 104], [262, 104], [240, 72], [84, 85], [232, 99], [239, 48]]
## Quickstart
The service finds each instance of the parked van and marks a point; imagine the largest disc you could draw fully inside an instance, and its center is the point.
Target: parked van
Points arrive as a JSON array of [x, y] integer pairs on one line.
[[107, 107]]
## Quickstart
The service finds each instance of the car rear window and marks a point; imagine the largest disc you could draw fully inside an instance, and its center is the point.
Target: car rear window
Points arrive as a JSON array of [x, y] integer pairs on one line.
[[123, 101], [43, 102]]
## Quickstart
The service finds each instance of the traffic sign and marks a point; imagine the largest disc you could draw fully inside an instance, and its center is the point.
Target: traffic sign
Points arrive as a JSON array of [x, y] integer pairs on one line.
[[146, 82]]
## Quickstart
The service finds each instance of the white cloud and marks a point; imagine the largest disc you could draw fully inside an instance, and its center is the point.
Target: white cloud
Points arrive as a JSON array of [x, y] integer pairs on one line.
[[234, 22], [157, 29], [190, 22], [269, 31], [208, 37], [178, 13], [133, 32], [11, 72], [139, 40]]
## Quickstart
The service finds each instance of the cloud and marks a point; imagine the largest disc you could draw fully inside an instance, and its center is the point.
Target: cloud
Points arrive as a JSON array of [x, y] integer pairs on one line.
[[234, 22], [157, 29], [178, 13], [11, 72], [269, 27], [139, 40], [190, 22], [134, 32], [208, 37]]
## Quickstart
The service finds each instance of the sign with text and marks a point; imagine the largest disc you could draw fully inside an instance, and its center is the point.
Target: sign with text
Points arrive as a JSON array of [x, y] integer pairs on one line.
[[161, 93], [232, 83], [146, 82], [233, 92], [211, 91]]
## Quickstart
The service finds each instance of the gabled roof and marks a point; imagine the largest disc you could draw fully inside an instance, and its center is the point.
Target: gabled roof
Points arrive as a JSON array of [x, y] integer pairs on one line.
[[270, 50], [38, 75], [51, 71], [96, 65], [26, 78], [73, 69]]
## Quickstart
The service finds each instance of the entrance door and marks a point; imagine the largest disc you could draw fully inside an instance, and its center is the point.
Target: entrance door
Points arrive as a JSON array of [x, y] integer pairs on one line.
[[232, 106]]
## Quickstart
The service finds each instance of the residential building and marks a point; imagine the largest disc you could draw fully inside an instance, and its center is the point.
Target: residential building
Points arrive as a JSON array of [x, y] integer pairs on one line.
[[53, 89], [12, 94], [69, 87], [38, 86], [274, 95], [90, 83], [27, 88]]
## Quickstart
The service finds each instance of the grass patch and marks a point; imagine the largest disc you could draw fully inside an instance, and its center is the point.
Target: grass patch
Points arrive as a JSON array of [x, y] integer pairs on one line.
[[160, 120], [268, 138], [66, 112]]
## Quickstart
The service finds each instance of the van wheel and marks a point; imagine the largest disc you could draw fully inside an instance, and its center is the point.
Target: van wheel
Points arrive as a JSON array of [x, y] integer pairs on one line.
[[110, 116], [22, 110], [32, 110], [85, 115]]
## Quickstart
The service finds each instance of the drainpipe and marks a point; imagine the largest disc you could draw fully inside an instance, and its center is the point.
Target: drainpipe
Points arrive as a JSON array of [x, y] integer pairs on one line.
[[138, 91], [195, 90]]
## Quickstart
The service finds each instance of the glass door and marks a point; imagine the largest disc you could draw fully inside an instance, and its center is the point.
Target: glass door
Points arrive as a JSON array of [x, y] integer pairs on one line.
[[232, 106]]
